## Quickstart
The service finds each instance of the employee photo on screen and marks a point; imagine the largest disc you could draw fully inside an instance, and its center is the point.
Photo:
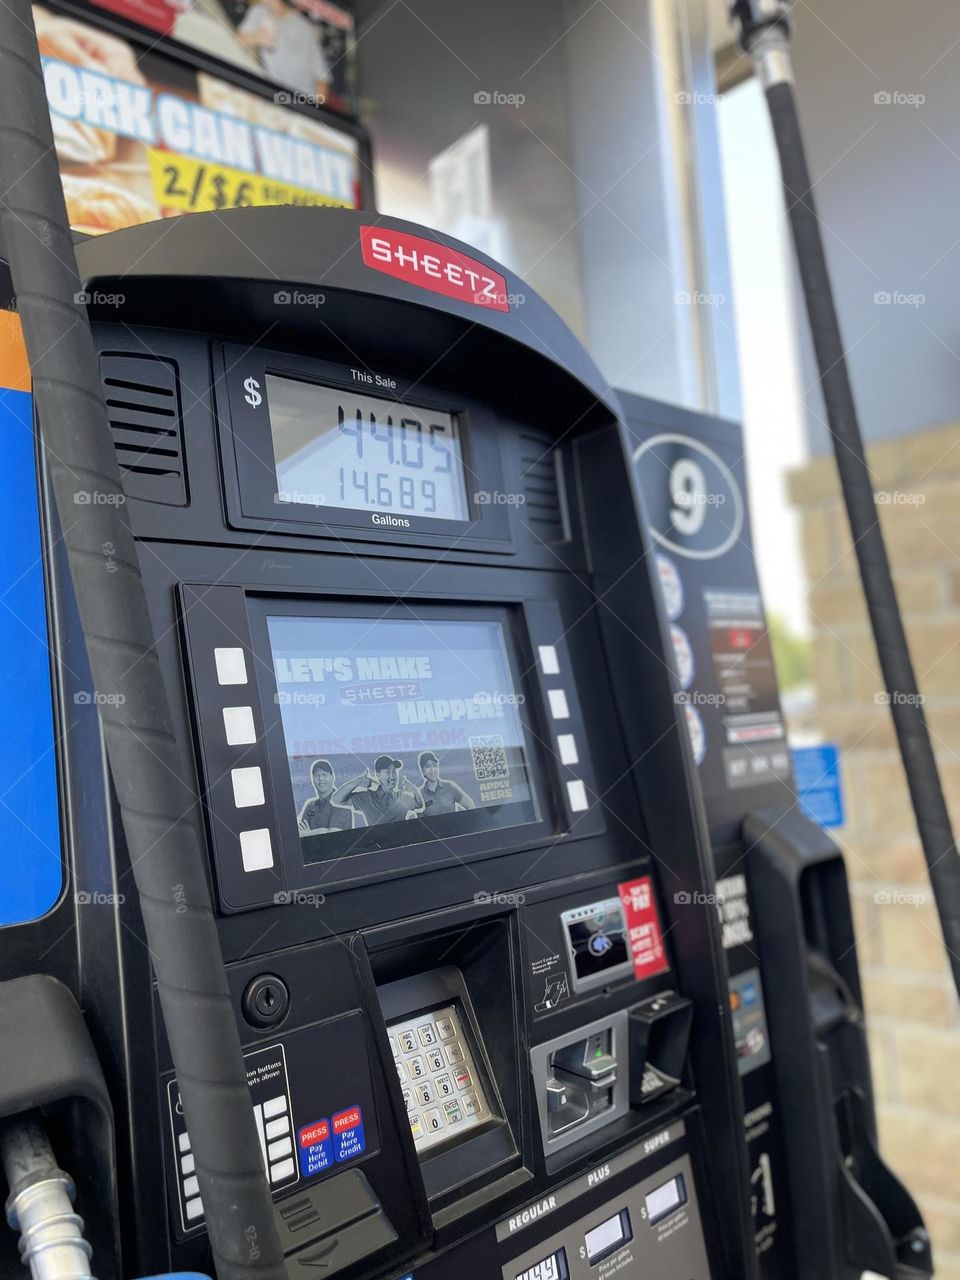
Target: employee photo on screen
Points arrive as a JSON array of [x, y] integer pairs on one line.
[[391, 722]]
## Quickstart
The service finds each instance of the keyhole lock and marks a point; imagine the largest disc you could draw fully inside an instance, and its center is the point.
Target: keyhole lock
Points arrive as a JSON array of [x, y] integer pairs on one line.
[[266, 1000]]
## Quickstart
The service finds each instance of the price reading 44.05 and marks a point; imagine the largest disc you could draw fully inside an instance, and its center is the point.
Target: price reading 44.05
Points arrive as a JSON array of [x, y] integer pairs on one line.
[[359, 452]]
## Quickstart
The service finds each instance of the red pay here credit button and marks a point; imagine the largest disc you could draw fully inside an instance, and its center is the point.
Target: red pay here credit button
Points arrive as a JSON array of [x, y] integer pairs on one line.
[[344, 1120]]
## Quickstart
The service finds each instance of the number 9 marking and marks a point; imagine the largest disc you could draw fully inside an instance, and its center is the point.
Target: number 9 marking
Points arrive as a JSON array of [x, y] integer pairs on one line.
[[697, 471], [688, 490]]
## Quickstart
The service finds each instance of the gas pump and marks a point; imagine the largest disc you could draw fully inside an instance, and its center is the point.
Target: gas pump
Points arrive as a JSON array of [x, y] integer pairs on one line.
[[479, 1034], [403, 930]]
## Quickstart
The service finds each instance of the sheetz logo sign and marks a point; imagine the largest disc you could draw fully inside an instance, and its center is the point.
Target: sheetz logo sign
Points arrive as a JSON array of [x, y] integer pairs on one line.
[[433, 266]]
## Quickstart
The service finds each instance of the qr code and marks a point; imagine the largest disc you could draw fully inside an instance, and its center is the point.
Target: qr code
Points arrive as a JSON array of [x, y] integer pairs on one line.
[[489, 758]]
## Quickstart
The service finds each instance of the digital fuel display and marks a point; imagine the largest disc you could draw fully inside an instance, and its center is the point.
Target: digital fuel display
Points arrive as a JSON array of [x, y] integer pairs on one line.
[[340, 448]]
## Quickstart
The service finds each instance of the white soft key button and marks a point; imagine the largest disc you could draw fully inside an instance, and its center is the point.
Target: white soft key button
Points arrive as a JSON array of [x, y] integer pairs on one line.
[[231, 666], [247, 787]]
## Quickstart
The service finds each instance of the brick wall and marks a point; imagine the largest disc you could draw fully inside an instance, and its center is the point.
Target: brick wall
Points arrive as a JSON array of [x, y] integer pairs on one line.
[[913, 1020]]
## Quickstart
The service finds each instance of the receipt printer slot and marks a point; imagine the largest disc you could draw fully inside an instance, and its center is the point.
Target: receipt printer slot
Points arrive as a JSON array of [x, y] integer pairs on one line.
[[659, 1041]]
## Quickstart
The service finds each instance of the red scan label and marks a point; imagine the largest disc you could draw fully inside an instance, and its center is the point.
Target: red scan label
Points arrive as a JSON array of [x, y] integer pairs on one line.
[[344, 1120], [647, 950], [433, 266], [318, 1132]]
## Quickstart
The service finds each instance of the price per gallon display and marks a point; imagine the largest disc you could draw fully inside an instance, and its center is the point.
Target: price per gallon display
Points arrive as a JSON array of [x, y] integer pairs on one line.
[[363, 453]]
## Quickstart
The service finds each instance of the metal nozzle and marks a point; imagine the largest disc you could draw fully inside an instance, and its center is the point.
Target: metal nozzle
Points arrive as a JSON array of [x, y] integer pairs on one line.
[[40, 1204], [757, 16]]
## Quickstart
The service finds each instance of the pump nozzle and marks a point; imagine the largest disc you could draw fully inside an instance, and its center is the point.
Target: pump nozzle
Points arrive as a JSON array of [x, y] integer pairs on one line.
[[757, 16]]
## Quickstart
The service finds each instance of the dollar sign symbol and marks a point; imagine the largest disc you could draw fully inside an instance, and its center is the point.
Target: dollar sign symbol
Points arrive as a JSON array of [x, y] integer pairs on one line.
[[218, 196], [253, 397]]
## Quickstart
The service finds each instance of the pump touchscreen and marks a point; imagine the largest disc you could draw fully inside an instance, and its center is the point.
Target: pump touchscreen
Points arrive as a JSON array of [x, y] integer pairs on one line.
[[336, 448], [399, 731]]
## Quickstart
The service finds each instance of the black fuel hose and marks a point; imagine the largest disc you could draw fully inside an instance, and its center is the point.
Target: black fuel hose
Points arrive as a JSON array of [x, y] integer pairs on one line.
[[906, 705], [151, 770]]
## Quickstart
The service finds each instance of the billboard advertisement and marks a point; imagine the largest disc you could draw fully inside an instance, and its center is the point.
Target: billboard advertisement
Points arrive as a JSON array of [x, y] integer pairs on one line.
[[141, 135]]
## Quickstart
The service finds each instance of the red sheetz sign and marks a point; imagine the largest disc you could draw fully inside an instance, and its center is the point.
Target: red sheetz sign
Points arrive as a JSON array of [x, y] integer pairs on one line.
[[433, 266]]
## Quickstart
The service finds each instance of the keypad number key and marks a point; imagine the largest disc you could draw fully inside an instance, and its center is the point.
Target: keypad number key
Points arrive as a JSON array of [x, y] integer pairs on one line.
[[424, 1094], [415, 1068], [433, 1121], [408, 1041], [444, 1086], [427, 1035], [435, 1060]]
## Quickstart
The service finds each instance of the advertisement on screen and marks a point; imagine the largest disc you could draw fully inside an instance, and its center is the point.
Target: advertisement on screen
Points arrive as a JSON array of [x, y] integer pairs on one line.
[[395, 722], [140, 136]]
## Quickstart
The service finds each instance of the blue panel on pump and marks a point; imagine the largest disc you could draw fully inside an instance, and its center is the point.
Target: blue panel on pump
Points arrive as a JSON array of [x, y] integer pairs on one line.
[[31, 869]]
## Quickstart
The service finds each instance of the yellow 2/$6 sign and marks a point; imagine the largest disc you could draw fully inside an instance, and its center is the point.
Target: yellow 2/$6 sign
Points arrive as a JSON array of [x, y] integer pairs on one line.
[[196, 186]]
